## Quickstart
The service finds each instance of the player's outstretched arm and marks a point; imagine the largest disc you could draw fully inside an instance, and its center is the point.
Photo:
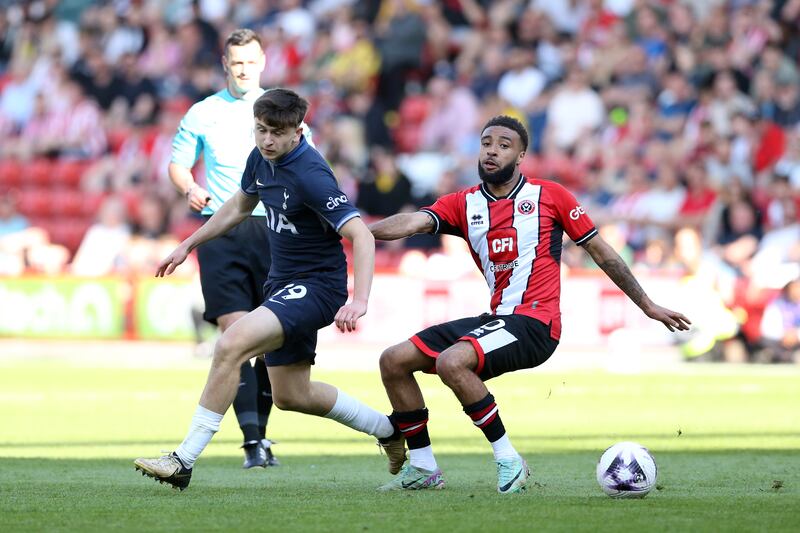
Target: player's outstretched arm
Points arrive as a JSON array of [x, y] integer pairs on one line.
[[237, 208], [616, 269], [402, 225], [357, 232]]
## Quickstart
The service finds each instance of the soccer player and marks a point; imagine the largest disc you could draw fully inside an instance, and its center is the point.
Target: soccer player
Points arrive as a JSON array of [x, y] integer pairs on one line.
[[514, 226], [306, 290], [232, 270]]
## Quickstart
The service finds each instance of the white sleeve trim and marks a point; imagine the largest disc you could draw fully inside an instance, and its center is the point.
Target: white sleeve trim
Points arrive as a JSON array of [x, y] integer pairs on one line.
[[586, 237], [346, 219], [435, 219]]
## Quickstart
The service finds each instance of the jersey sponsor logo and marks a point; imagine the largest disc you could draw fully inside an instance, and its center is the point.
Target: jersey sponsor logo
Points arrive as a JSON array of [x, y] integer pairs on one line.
[[477, 220], [489, 326], [526, 207], [278, 222], [504, 266], [334, 202], [503, 245], [577, 212]]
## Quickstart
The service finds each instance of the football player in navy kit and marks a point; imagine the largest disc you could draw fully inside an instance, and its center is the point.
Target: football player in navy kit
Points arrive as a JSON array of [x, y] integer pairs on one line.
[[307, 214]]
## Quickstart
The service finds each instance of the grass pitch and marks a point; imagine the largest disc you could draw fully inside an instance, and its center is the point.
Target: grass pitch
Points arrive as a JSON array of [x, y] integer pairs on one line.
[[726, 440]]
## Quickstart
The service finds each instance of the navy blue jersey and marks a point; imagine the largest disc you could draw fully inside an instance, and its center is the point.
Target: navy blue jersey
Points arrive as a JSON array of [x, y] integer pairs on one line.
[[305, 210]]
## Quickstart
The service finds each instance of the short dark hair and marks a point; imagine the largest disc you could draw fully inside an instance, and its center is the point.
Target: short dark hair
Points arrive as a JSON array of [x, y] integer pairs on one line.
[[241, 37], [280, 108], [512, 124]]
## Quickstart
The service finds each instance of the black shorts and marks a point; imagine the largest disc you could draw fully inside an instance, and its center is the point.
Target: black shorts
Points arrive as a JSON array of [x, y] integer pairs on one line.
[[233, 269], [504, 342], [303, 307]]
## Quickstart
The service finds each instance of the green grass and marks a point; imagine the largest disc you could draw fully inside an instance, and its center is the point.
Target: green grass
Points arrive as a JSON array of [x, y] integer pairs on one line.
[[722, 437]]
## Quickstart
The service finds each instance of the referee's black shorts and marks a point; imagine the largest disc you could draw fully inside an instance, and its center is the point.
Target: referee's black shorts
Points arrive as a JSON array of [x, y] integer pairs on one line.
[[234, 268]]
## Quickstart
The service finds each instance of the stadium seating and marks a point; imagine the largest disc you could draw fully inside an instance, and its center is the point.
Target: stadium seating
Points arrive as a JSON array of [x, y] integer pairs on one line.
[[10, 173], [35, 203], [39, 172], [69, 173]]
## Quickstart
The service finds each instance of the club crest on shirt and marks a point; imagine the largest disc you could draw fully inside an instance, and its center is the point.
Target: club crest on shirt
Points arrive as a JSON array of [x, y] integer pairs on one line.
[[526, 207]]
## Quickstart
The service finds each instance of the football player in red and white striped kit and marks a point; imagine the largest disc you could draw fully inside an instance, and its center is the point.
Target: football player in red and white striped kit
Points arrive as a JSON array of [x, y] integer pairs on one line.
[[514, 227]]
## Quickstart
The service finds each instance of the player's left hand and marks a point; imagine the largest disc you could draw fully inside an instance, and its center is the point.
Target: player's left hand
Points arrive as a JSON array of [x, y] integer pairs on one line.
[[673, 320], [349, 314]]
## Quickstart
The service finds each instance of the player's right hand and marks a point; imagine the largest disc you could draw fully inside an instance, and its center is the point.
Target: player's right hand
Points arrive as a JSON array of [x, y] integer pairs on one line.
[[171, 262], [348, 315], [197, 198]]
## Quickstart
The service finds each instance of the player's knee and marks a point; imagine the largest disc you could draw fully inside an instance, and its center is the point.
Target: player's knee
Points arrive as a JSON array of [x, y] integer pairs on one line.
[[226, 352], [286, 401], [391, 363], [449, 367]]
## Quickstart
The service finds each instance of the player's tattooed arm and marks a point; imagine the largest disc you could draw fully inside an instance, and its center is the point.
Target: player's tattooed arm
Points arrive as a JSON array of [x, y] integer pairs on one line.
[[402, 225], [616, 269]]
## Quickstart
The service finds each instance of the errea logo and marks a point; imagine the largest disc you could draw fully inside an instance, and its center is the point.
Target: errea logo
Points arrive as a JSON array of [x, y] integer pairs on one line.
[[577, 212], [477, 220], [334, 202]]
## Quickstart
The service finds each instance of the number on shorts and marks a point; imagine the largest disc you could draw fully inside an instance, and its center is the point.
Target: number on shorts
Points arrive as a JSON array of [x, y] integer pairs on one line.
[[293, 292]]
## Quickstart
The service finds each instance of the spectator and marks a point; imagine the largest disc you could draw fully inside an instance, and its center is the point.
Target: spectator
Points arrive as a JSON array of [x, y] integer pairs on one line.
[[780, 325], [17, 100], [454, 114], [384, 190], [784, 205], [400, 36], [24, 247], [523, 82], [149, 241], [699, 196], [575, 110], [102, 249]]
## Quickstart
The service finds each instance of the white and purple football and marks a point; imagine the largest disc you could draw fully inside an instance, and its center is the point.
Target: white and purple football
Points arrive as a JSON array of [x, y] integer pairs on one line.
[[627, 470]]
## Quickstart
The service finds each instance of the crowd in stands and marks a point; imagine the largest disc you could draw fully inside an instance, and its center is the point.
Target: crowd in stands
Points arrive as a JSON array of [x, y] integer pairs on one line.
[[676, 123]]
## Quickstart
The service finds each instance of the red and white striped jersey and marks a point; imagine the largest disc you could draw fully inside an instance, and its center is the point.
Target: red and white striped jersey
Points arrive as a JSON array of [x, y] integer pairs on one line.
[[516, 242]]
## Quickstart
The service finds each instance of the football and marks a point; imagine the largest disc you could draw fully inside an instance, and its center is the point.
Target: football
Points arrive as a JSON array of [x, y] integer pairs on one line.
[[627, 470]]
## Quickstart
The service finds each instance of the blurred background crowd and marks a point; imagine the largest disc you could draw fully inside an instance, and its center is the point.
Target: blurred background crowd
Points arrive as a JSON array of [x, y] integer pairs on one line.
[[675, 123]]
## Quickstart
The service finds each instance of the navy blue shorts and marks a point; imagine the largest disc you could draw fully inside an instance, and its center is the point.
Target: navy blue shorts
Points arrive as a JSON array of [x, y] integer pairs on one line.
[[303, 307], [233, 269], [504, 343]]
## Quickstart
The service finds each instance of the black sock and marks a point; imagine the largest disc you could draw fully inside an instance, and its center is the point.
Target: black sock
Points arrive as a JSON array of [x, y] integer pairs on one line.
[[244, 405], [414, 427], [264, 403], [486, 416], [397, 433]]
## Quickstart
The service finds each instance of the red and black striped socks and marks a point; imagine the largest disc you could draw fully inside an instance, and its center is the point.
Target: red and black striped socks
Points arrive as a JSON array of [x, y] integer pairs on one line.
[[414, 427], [485, 415]]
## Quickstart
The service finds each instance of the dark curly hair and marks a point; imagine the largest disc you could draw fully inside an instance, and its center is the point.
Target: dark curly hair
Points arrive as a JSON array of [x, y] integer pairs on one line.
[[512, 124]]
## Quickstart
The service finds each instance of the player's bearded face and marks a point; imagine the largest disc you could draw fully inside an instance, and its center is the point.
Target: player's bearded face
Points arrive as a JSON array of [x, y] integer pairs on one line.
[[501, 175]]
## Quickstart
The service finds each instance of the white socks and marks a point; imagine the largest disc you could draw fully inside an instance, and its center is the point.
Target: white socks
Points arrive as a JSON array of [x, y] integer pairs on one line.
[[423, 458], [204, 424], [354, 414], [503, 449]]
